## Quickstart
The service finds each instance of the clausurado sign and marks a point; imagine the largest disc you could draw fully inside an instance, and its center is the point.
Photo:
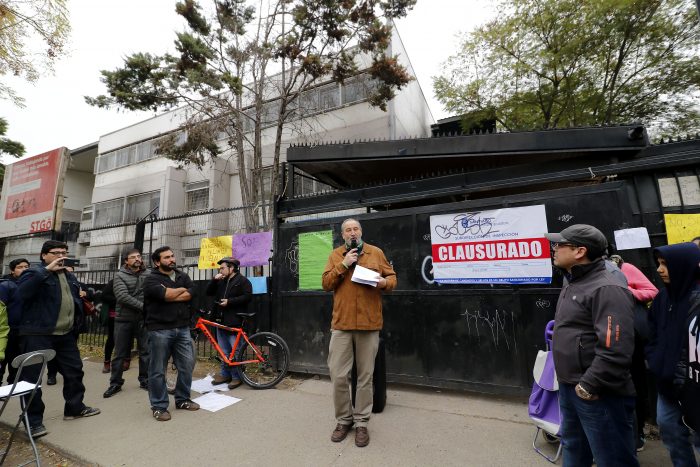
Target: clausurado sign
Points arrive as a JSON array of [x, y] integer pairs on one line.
[[30, 192], [499, 246]]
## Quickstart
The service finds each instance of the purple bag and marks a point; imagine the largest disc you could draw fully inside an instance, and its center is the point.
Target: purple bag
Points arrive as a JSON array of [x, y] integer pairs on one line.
[[543, 406]]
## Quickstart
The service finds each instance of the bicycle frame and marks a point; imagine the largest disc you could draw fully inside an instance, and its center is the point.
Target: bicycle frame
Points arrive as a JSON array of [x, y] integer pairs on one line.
[[230, 359]]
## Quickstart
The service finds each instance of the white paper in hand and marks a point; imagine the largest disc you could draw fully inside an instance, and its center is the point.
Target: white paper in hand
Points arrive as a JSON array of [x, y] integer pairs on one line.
[[365, 276]]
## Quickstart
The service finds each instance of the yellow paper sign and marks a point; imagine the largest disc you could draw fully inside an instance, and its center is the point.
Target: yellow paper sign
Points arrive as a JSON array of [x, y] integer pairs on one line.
[[682, 227], [212, 250]]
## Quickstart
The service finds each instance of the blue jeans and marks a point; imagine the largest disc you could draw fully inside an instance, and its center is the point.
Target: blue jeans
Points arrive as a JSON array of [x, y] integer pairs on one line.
[[674, 434], [226, 339], [602, 429], [162, 344]]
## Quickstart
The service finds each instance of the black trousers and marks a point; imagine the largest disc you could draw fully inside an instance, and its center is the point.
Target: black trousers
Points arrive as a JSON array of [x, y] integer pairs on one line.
[[11, 351], [68, 363], [124, 334]]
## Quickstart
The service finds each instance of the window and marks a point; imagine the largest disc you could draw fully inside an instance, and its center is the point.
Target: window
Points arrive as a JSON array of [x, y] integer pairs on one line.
[[308, 102], [197, 196], [354, 90], [87, 214], [138, 206], [109, 212], [107, 263], [329, 96]]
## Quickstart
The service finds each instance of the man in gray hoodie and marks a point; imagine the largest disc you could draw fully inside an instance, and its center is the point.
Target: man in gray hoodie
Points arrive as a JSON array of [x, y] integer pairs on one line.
[[129, 321]]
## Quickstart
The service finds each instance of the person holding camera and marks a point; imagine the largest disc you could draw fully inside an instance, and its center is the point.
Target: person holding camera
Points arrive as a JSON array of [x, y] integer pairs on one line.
[[51, 318], [232, 293]]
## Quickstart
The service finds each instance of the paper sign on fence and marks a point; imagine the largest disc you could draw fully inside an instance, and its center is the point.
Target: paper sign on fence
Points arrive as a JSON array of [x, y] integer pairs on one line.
[[629, 239]]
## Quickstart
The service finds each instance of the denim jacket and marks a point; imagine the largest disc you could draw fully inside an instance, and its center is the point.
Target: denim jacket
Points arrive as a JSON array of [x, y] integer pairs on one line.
[[40, 292]]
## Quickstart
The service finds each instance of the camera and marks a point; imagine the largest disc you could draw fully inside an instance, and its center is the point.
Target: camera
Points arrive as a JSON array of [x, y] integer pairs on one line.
[[71, 262]]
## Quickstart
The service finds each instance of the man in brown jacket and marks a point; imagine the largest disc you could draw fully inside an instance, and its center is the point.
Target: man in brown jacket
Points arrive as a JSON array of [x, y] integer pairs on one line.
[[357, 319]]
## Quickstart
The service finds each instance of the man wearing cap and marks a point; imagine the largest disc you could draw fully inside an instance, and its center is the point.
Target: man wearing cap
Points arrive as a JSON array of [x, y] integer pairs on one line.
[[232, 292], [592, 345]]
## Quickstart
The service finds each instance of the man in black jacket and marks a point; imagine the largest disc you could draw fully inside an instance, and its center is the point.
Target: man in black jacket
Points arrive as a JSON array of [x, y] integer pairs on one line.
[[167, 293], [129, 322], [232, 292], [52, 314], [592, 346]]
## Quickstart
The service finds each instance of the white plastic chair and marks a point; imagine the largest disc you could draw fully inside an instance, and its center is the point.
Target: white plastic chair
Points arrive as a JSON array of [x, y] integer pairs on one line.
[[25, 391]]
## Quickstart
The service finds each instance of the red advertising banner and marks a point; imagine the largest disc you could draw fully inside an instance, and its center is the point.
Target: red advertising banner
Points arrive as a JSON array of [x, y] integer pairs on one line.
[[29, 194]]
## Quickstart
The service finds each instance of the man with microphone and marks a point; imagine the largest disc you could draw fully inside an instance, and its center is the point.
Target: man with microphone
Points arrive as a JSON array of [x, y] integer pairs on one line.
[[357, 320]]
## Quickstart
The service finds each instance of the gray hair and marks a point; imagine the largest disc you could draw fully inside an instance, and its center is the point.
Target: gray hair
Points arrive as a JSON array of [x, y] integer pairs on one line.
[[349, 219]]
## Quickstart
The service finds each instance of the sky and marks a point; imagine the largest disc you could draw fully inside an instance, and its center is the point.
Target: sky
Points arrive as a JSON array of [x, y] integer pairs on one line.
[[106, 31]]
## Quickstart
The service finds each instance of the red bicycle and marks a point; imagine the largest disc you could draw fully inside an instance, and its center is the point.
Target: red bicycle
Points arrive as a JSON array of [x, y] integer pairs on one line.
[[263, 358]]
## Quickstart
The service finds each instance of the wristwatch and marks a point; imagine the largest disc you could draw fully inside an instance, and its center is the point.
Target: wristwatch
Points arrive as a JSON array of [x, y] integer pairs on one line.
[[583, 394]]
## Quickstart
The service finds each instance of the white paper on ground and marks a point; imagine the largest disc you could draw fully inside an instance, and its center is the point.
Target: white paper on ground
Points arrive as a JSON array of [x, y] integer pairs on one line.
[[204, 385], [365, 276], [22, 386], [214, 401]]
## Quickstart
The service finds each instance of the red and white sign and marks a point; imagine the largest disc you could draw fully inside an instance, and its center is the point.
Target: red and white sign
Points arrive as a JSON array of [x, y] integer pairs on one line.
[[30, 191], [499, 246]]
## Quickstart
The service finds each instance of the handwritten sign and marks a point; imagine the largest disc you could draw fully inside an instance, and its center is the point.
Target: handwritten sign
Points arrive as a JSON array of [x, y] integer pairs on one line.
[[211, 250], [498, 246], [314, 248], [682, 227], [252, 249], [629, 239]]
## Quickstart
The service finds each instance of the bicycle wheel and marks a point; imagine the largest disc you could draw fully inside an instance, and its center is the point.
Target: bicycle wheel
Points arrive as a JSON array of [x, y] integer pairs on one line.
[[275, 355]]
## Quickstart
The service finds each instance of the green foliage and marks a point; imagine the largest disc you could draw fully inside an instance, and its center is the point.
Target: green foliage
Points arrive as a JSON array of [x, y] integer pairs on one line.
[[238, 69], [544, 64], [22, 22], [7, 146]]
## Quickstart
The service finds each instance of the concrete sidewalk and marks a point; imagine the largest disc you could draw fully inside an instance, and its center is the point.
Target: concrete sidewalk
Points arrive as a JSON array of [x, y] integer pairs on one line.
[[292, 427]]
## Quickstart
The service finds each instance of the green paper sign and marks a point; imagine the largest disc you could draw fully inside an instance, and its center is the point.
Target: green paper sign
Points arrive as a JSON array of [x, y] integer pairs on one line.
[[314, 248]]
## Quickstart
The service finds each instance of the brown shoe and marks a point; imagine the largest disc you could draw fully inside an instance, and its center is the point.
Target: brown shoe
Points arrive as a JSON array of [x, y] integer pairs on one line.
[[220, 379], [107, 367], [361, 436], [340, 432]]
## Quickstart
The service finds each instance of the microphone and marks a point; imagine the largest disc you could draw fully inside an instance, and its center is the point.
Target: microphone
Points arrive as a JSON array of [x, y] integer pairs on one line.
[[353, 244]]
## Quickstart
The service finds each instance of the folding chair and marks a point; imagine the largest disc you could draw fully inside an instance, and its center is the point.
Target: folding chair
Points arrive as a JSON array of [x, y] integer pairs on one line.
[[25, 391]]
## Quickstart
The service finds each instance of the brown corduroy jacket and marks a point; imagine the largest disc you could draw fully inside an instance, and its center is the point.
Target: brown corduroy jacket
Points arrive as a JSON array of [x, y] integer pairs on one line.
[[357, 307]]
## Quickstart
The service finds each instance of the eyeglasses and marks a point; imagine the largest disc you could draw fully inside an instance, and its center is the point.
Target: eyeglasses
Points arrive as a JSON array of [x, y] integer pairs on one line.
[[58, 253], [556, 246]]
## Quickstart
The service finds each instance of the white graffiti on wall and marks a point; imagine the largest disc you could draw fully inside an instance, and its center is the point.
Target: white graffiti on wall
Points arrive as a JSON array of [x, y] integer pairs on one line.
[[291, 258], [499, 326]]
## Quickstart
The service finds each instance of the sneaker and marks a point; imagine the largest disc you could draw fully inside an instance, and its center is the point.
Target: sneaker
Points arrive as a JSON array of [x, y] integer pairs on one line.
[[340, 433], [107, 368], [112, 390], [640, 443], [361, 436], [161, 415], [220, 379], [187, 405], [86, 412], [234, 383], [39, 431], [50, 380]]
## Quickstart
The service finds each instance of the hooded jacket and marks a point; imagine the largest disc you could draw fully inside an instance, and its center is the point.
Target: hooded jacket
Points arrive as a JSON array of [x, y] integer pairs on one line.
[[670, 312], [128, 291], [9, 295], [593, 337]]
